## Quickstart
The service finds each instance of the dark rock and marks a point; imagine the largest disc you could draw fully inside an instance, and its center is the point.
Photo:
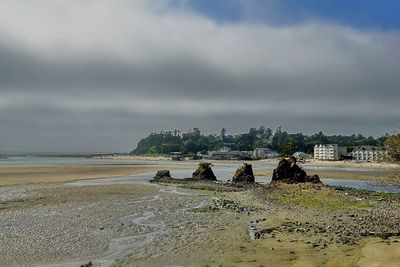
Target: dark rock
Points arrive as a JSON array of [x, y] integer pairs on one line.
[[288, 171], [257, 235], [162, 174], [385, 235], [313, 179], [363, 234], [244, 174], [267, 230], [204, 172]]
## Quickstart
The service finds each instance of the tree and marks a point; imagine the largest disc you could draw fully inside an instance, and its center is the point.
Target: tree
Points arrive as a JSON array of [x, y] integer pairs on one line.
[[193, 141], [286, 149], [152, 150], [392, 145], [280, 137], [393, 148], [191, 146], [223, 132]]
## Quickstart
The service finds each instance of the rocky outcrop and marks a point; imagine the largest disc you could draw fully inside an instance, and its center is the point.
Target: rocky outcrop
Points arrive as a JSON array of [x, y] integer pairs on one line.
[[162, 175], [244, 174], [204, 172], [288, 171], [313, 179]]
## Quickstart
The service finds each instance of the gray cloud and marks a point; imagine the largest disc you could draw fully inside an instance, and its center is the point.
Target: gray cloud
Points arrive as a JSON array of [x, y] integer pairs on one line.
[[98, 75]]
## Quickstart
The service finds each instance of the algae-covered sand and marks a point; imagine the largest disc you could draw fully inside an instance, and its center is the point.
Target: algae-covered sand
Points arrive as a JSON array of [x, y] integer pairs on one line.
[[296, 226]]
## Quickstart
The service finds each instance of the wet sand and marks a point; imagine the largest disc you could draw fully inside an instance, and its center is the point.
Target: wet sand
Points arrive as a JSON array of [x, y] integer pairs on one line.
[[70, 225], [48, 223], [155, 225], [19, 175]]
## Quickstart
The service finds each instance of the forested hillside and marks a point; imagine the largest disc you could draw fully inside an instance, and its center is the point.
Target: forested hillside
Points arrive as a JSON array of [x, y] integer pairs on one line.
[[285, 143]]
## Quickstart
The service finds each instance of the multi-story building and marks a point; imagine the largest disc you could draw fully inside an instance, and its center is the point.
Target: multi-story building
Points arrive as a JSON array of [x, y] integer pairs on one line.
[[328, 151], [368, 153]]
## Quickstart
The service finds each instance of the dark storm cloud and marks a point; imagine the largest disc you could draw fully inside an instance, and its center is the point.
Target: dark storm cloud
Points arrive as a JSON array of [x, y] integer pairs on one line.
[[98, 76]]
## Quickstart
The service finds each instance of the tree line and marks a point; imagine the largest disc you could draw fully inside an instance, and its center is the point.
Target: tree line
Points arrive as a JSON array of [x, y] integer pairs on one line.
[[281, 141]]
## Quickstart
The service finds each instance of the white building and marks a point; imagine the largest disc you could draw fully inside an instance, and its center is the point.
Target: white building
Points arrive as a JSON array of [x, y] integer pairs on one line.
[[264, 153], [368, 153], [328, 151]]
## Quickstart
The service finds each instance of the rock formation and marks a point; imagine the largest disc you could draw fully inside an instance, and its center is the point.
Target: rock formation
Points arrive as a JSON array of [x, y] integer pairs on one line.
[[288, 171], [313, 179], [162, 174], [244, 174], [204, 172]]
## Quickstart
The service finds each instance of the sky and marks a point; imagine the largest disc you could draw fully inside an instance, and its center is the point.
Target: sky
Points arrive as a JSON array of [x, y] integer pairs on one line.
[[97, 75]]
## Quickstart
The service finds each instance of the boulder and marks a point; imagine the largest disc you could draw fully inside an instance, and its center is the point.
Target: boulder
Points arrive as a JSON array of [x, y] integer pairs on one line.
[[244, 174], [204, 172], [313, 179], [288, 171], [162, 174]]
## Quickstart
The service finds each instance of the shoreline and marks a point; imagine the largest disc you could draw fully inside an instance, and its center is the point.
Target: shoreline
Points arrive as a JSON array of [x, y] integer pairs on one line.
[[339, 164], [42, 174], [131, 157], [352, 164], [311, 162]]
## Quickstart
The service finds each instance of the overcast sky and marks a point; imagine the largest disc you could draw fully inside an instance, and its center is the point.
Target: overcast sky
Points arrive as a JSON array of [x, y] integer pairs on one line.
[[97, 75]]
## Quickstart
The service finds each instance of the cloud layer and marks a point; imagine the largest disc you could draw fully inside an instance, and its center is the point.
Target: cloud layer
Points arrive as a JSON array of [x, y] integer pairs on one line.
[[98, 75]]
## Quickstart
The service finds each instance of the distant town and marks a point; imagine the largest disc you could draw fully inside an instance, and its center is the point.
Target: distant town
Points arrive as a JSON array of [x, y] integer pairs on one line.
[[262, 143]]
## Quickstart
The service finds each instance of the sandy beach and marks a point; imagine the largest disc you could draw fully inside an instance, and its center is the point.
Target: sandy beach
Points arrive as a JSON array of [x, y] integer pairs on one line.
[[50, 217], [157, 225], [25, 174]]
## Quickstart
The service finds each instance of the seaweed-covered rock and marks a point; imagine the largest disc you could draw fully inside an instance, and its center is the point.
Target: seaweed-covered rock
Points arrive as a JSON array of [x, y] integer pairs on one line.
[[204, 172], [162, 174], [288, 171], [244, 174]]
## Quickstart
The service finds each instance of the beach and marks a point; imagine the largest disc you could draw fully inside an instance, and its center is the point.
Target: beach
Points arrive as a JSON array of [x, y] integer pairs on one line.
[[42, 174], [66, 220]]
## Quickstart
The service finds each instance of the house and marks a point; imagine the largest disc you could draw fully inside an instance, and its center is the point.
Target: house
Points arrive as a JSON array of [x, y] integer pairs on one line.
[[329, 151], [176, 156], [368, 153], [225, 153], [299, 155], [259, 153]]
